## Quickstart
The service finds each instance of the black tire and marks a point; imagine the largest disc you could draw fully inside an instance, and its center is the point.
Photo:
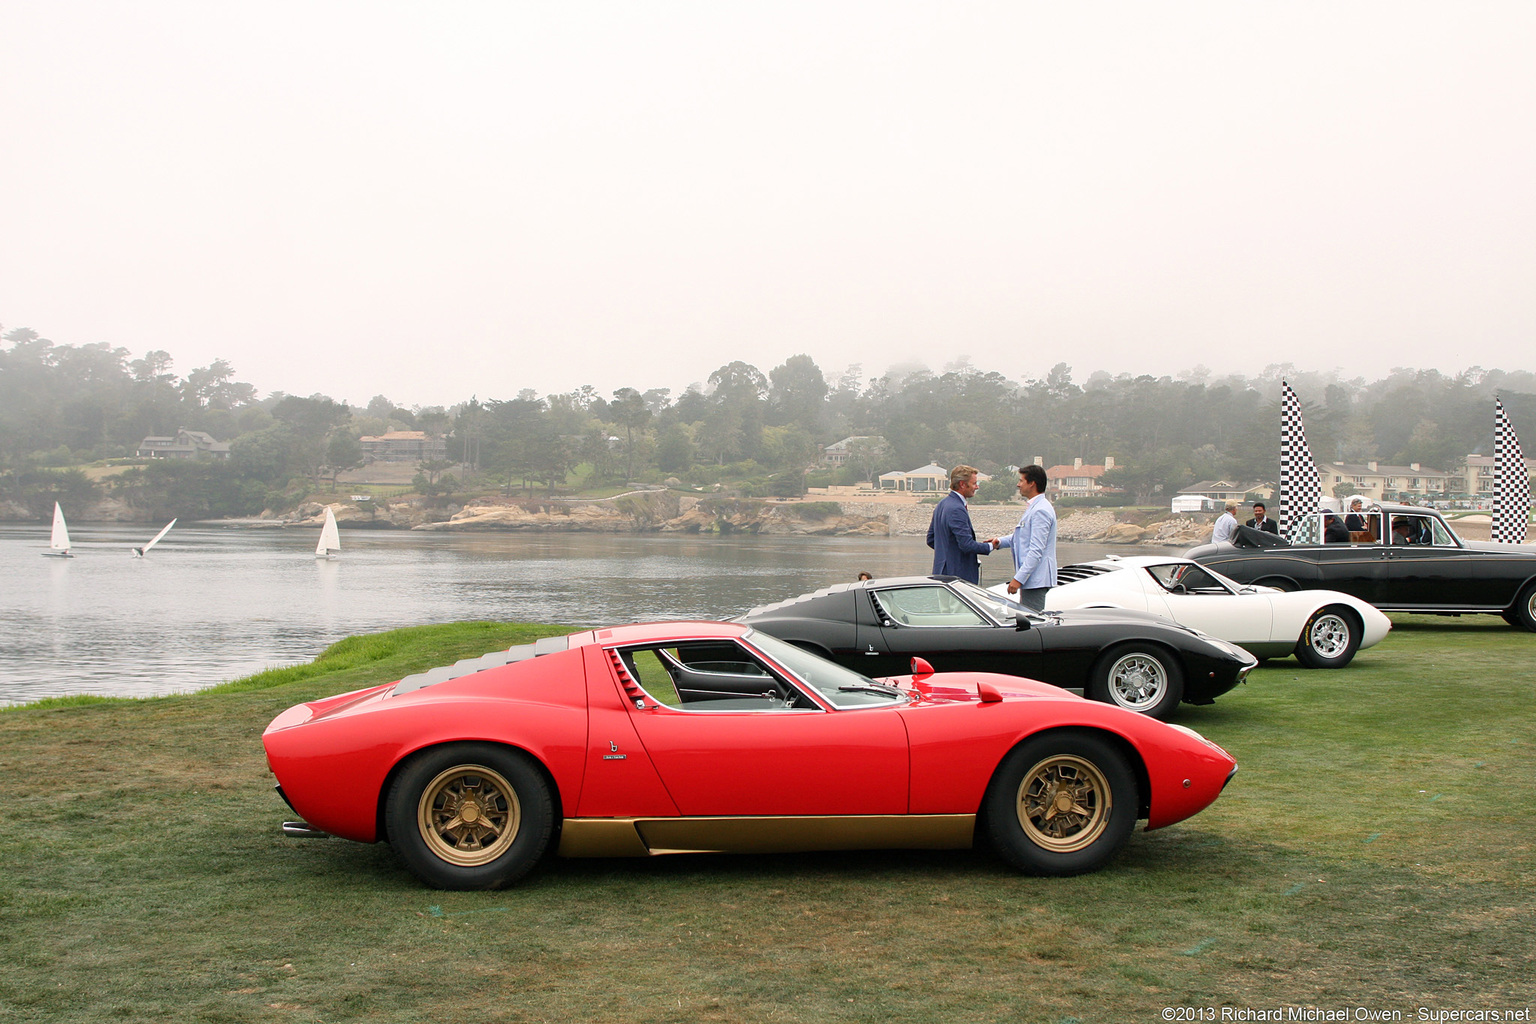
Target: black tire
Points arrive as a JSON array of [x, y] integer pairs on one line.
[[1522, 614], [1329, 639], [1060, 804], [469, 816], [1139, 677], [1279, 583]]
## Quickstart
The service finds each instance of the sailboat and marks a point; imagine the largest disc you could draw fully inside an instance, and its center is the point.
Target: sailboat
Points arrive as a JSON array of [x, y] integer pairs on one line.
[[58, 541], [141, 552], [330, 538]]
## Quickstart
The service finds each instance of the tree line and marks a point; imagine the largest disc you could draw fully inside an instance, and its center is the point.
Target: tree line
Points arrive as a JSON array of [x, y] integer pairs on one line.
[[63, 406]]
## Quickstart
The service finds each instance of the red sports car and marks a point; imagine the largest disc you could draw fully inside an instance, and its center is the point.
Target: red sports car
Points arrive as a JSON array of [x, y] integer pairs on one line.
[[700, 736]]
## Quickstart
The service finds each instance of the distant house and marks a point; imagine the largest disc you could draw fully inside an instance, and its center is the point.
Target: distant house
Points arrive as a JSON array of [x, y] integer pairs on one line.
[[1382, 482], [1476, 479], [1221, 491], [1078, 480], [837, 453], [404, 446], [186, 444], [929, 479]]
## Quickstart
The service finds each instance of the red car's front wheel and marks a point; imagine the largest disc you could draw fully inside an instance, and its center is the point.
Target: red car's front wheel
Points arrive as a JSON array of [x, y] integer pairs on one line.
[[469, 816], [1060, 804]]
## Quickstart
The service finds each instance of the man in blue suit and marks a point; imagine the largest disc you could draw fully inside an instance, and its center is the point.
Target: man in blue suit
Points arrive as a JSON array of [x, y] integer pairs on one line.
[[950, 533]]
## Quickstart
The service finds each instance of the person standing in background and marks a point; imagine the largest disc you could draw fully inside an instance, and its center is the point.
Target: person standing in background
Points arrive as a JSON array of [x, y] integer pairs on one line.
[[1261, 520], [1226, 525]]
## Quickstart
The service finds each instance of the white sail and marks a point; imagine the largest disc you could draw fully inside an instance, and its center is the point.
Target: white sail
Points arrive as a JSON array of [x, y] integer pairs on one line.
[[58, 541], [145, 549], [330, 538]]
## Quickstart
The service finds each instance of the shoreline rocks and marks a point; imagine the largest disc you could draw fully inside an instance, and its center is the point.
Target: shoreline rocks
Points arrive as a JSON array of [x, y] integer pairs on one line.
[[652, 510]]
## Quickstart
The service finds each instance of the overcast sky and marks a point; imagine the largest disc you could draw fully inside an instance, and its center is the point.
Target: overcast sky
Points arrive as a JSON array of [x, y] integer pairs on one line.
[[429, 201]]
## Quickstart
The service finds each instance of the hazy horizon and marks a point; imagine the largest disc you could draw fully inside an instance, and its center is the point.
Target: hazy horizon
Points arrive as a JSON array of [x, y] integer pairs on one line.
[[428, 203]]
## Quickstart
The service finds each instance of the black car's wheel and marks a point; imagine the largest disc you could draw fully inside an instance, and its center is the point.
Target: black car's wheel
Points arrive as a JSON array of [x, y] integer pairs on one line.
[[1139, 677], [1329, 639], [1279, 583], [1522, 614], [1060, 804], [469, 816]]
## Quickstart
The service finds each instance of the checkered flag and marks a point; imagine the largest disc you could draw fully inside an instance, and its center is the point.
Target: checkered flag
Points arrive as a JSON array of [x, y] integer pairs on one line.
[[1300, 490], [1511, 485]]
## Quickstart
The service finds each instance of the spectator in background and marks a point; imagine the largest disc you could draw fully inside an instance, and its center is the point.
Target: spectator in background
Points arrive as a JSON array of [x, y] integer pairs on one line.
[[1356, 519], [1261, 520], [1226, 525]]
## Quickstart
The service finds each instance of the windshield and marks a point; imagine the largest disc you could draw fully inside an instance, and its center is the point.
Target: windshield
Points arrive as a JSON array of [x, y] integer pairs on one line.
[[841, 687], [999, 609]]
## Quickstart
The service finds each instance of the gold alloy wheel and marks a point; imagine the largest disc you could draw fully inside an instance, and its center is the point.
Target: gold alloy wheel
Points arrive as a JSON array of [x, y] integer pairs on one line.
[[1064, 803], [469, 815]]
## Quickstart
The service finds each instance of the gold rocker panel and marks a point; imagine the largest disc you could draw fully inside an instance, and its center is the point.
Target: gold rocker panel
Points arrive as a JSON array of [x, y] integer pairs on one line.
[[644, 837]]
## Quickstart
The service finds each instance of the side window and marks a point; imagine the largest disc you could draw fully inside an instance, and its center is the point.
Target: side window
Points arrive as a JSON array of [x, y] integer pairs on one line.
[[653, 675], [1182, 578], [1442, 535], [711, 676], [1412, 530], [927, 606], [1307, 530]]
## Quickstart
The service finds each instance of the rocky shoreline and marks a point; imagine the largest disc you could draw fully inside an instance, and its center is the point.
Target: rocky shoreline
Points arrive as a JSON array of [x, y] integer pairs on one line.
[[675, 512], [667, 511]]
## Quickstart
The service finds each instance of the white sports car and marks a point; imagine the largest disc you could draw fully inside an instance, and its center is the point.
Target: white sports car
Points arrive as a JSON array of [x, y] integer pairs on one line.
[[1324, 628]]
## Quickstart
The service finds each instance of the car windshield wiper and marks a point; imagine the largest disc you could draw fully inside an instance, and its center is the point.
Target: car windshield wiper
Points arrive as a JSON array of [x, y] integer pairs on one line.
[[873, 687]]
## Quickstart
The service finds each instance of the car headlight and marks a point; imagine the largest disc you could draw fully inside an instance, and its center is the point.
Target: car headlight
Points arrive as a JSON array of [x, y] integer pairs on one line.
[[1222, 645]]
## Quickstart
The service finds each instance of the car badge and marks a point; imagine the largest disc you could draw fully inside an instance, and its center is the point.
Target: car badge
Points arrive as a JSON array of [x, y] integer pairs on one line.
[[615, 756]]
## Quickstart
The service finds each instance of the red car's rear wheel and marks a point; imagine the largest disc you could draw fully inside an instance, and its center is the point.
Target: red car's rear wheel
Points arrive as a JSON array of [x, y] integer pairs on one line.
[[469, 816], [1061, 804]]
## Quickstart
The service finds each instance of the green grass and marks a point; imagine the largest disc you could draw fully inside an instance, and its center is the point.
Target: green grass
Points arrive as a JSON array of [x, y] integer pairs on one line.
[[1376, 849]]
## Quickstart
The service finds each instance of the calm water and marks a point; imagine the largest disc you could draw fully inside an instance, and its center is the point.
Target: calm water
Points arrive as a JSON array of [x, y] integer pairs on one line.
[[216, 603]]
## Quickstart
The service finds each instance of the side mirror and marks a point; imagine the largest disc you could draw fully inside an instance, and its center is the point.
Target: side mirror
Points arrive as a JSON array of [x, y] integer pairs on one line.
[[1021, 622], [921, 669]]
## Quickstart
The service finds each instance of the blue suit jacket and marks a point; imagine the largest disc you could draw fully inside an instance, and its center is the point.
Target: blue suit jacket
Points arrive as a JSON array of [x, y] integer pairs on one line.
[[953, 539]]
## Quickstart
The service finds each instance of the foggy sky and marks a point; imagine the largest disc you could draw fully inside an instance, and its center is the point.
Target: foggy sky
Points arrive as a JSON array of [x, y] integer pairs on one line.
[[429, 201]]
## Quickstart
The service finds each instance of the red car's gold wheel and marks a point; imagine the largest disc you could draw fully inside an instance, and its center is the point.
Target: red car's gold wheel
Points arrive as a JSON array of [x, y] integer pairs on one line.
[[469, 815], [1064, 803]]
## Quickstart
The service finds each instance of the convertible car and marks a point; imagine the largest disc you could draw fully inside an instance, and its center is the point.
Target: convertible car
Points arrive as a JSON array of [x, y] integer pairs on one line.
[[1406, 559], [1141, 662], [712, 737], [1324, 628]]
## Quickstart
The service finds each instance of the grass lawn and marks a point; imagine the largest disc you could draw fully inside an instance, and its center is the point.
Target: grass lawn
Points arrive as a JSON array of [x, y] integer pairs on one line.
[[1374, 851]]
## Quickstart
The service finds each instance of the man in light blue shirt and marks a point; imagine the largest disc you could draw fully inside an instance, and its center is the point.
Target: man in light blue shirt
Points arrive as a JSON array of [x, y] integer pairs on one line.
[[1226, 524], [1033, 543]]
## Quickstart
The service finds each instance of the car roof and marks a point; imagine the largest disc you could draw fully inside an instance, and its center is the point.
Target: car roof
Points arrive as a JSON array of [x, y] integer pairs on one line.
[[884, 583], [653, 632]]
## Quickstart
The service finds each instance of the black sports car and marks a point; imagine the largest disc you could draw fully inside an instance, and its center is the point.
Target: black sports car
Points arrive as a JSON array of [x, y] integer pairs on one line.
[[1406, 559], [1141, 662]]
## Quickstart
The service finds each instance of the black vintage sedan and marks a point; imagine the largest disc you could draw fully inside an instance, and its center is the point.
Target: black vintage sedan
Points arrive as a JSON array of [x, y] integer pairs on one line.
[[1405, 559], [1141, 662]]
